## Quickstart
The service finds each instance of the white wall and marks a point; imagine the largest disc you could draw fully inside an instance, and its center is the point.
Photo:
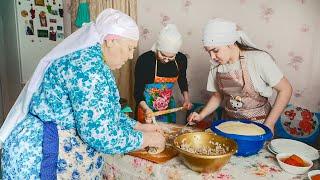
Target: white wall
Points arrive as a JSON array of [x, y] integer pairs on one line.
[[288, 29]]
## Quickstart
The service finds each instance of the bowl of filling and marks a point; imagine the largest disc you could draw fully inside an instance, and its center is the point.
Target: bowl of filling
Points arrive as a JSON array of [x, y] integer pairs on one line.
[[294, 164], [204, 151], [249, 135], [314, 175]]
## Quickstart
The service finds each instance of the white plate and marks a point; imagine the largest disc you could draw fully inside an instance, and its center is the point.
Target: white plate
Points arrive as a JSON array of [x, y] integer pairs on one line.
[[312, 173], [295, 147], [271, 150]]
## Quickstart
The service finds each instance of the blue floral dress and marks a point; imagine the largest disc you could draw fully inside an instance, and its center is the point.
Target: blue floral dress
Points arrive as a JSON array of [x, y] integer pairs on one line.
[[74, 118]]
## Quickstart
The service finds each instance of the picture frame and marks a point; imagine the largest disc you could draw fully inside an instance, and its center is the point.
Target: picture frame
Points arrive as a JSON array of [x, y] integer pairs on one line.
[[29, 28], [43, 33], [39, 2], [60, 36], [43, 19]]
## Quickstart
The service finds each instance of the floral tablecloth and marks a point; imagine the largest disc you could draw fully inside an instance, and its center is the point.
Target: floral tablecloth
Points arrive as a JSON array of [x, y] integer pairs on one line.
[[260, 166]]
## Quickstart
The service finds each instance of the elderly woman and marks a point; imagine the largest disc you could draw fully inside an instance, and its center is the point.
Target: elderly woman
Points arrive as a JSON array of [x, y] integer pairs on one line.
[[68, 115], [241, 77], [156, 72]]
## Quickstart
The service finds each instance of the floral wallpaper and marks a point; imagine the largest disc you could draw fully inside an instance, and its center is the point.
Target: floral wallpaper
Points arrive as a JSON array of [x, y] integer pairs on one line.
[[288, 29]]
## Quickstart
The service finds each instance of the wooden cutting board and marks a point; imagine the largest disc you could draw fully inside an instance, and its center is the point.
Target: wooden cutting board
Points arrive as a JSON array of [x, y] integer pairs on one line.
[[162, 157]]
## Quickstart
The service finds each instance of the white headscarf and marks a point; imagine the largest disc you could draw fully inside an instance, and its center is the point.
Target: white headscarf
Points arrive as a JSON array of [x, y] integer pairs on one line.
[[109, 21], [169, 40], [219, 32]]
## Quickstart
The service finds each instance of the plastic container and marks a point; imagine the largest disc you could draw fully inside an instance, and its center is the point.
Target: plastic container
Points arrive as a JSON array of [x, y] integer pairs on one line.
[[247, 145]]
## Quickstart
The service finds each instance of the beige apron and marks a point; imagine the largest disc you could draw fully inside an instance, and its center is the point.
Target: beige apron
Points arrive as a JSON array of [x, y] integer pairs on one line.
[[240, 100]]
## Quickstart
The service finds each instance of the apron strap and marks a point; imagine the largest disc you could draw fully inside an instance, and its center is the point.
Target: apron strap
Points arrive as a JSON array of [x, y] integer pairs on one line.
[[156, 68], [245, 75], [247, 81], [177, 66]]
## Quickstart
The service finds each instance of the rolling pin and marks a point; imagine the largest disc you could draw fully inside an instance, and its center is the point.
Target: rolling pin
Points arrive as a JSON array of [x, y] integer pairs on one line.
[[159, 113]]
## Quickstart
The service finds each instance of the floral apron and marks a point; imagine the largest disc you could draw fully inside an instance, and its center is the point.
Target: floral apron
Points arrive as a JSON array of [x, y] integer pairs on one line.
[[159, 96], [240, 100]]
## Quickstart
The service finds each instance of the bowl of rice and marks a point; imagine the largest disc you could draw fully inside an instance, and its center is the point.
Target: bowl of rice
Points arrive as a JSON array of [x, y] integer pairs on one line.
[[204, 151]]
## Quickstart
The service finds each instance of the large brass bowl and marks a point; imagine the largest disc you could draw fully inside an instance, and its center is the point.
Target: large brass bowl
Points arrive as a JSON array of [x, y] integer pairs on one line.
[[204, 163]]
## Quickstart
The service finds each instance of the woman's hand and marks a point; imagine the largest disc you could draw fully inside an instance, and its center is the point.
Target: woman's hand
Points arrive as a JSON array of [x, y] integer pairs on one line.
[[194, 117], [149, 118], [148, 113], [270, 126], [187, 104], [153, 139], [212, 105]]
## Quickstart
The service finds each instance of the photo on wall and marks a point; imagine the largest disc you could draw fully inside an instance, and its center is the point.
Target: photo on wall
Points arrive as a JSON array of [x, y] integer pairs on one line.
[[24, 13], [43, 33], [29, 27], [39, 2], [53, 21], [60, 11], [60, 35], [53, 35], [54, 12], [43, 19]]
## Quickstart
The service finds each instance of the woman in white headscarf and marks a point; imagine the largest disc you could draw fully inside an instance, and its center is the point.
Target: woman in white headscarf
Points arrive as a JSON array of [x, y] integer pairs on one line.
[[156, 72], [68, 115], [241, 77]]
